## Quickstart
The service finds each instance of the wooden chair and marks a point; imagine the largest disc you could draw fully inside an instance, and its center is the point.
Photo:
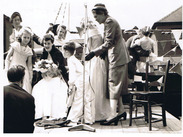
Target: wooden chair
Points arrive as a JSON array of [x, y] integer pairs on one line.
[[149, 98]]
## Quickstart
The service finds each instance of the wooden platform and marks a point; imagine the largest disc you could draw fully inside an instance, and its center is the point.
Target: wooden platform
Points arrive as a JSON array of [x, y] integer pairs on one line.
[[174, 126]]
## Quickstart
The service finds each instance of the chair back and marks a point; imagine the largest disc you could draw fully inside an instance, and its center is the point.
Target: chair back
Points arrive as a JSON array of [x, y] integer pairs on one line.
[[157, 69]]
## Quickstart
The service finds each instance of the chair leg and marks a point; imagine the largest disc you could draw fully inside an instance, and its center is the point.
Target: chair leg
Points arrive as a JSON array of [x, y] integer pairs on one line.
[[149, 114], [164, 115], [131, 107], [146, 112], [136, 110]]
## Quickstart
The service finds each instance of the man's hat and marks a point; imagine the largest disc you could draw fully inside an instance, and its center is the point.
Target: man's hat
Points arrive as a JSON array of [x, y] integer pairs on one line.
[[99, 6]]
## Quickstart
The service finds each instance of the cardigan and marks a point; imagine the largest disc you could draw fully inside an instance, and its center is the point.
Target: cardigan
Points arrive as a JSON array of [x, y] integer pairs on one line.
[[58, 59]]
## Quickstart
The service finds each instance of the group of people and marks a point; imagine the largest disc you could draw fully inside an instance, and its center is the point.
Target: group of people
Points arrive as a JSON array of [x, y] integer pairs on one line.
[[139, 45], [59, 92]]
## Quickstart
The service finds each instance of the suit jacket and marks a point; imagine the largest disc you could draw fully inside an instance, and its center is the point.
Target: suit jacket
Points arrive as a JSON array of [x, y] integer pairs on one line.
[[58, 59], [114, 44], [19, 110]]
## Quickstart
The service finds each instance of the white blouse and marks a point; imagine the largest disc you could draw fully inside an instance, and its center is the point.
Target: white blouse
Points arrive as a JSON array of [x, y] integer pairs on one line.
[[75, 69]]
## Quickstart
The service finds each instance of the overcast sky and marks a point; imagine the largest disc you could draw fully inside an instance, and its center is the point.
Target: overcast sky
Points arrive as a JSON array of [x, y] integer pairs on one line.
[[39, 13]]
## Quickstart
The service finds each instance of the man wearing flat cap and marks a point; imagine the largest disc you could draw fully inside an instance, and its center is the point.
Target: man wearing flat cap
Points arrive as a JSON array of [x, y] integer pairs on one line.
[[118, 58]]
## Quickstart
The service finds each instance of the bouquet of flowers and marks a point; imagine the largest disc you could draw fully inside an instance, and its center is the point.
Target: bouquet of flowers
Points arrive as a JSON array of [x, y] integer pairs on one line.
[[47, 68]]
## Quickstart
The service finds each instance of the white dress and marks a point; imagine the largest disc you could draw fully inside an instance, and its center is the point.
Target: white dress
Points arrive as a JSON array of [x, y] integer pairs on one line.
[[14, 35], [50, 97], [19, 57], [59, 42], [76, 78], [98, 79]]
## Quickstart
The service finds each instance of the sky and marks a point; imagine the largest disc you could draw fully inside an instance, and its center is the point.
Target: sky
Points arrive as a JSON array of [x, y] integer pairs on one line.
[[37, 14]]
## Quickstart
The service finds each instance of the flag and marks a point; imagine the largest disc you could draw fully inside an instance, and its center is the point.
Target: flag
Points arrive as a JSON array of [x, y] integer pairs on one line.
[[160, 58], [177, 68], [160, 80], [178, 37], [174, 49], [80, 31]]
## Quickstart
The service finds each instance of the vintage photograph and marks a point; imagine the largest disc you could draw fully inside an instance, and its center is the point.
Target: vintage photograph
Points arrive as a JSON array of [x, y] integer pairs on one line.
[[100, 66]]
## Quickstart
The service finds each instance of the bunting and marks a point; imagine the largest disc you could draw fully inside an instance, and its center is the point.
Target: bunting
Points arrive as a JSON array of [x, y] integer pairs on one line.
[[178, 37], [177, 68], [80, 31], [172, 50], [160, 80]]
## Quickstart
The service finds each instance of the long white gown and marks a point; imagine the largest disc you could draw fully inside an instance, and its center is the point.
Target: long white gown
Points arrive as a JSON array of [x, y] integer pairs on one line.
[[50, 97], [98, 78], [19, 57]]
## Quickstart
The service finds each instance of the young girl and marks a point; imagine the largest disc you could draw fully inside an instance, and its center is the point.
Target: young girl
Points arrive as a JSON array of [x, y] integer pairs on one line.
[[76, 80], [21, 54]]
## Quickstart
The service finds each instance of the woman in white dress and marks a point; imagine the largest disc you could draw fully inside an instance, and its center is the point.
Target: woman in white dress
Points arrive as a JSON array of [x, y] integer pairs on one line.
[[97, 68], [50, 93]]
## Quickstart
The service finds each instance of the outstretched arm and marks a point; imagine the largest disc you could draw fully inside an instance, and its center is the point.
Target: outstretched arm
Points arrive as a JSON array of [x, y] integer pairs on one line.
[[7, 60], [110, 31], [37, 39]]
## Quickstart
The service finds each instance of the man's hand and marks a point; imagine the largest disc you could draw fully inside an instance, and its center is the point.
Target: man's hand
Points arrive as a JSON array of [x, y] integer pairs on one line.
[[89, 56]]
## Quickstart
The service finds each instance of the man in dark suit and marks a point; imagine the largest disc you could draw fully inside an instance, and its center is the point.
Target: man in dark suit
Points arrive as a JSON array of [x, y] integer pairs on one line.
[[19, 107]]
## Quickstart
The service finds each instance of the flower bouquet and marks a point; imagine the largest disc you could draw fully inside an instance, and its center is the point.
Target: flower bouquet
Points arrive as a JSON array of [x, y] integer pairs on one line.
[[47, 68]]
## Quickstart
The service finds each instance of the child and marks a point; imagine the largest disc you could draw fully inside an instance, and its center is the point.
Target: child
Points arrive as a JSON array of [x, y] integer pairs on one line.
[[21, 54], [76, 80]]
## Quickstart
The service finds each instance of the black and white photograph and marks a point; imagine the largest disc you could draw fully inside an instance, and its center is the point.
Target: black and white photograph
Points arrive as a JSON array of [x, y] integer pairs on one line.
[[91, 67]]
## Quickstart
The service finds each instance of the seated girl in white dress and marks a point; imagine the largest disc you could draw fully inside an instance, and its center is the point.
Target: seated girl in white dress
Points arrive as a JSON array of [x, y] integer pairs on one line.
[[76, 80], [50, 93]]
